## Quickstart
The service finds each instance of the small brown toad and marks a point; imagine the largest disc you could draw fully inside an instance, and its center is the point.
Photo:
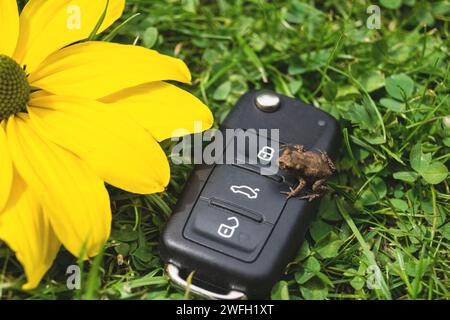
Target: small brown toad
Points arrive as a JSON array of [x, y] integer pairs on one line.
[[309, 167]]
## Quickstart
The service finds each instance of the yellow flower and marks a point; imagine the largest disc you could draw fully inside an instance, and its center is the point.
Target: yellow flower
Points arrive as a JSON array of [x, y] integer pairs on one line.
[[74, 116]]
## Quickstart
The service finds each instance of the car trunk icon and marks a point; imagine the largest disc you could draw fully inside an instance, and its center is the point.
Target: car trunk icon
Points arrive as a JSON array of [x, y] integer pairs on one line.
[[251, 193]]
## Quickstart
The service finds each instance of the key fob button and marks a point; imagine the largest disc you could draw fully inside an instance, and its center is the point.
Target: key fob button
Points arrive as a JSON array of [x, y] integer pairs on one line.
[[246, 190], [226, 231], [267, 101]]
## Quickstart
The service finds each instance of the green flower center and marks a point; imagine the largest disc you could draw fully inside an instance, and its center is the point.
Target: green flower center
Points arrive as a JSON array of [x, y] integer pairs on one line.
[[14, 88]]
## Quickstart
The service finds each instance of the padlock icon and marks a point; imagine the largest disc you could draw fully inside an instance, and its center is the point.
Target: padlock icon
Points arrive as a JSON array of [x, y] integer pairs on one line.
[[227, 231], [266, 154]]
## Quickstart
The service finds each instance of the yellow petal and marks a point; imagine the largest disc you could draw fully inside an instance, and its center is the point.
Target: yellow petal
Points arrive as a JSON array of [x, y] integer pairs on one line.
[[9, 26], [27, 231], [6, 170], [96, 69], [74, 199], [116, 148], [163, 109], [47, 26]]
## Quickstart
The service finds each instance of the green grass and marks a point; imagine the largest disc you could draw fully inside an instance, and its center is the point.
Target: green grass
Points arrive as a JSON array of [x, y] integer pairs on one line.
[[389, 88]]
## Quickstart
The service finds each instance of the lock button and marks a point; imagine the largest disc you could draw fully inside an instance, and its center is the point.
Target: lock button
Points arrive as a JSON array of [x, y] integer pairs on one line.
[[226, 231]]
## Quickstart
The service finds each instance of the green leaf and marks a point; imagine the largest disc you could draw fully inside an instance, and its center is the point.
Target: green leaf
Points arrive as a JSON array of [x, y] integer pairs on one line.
[[391, 4], [400, 86], [308, 270], [324, 278], [190, 5], [380, 50], [357, 282], [294, 86], [373, 80], [304, 276], [441, 8], [144, 254], [350, 272], [320, 230], [362, 115], [150, 37], [311, 60], [373, 167], [125, 235], [434, 173], [222, 91], [123, 248], [280, 291], [400, 204], [375, 192], [374, 138], [408, 176], [438, 218], [304, 251], [418, 159], [445, 230], [347, 90], [446, 141], [312, 264], [330, 250], [392, 104], [314, 290], [304, 13], [409, 2], [423, 14], [328, 210], [330, 91]]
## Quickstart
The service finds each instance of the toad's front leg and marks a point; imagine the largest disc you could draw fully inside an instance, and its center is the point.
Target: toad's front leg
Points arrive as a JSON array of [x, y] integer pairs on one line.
[[319, 188], [295, 192]]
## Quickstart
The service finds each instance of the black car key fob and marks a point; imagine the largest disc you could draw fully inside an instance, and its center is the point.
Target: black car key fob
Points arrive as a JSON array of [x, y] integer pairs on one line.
[[233, 227]]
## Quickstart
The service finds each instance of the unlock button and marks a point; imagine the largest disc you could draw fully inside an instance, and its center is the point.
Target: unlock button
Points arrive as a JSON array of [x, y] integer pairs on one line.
[[226, 231]]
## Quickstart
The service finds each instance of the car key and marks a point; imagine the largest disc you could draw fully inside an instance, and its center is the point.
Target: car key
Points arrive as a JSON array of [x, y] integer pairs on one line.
[[233, 226]]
